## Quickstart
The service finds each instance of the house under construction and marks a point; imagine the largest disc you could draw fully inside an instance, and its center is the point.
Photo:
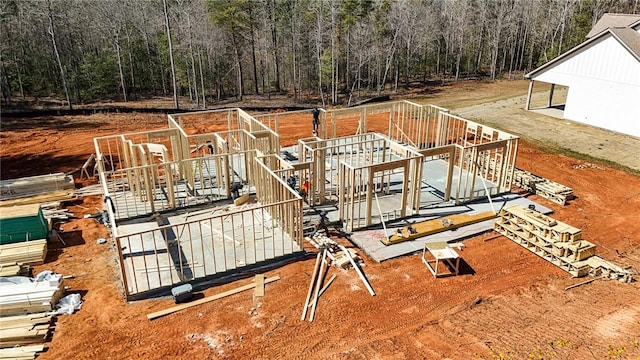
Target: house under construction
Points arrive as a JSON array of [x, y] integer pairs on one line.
[[208, 194]]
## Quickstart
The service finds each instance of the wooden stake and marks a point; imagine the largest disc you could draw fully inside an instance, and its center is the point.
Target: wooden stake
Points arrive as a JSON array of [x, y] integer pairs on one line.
[[259, 289], [173, 309]]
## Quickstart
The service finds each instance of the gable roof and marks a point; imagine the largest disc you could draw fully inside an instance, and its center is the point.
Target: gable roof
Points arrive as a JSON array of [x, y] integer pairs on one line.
[[613, 20], [627, 37]]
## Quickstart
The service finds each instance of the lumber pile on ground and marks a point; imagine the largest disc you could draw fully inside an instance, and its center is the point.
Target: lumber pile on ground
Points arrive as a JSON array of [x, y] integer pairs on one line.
[[21, 352], [36, 189], [15, 269], [30, 296], [556, 242], [24, 329], [27, 252], [538, 185]]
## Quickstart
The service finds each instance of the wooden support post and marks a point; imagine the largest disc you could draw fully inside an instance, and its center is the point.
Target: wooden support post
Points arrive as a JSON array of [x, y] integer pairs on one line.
[[369, 198], [527, 105], [553, 86]]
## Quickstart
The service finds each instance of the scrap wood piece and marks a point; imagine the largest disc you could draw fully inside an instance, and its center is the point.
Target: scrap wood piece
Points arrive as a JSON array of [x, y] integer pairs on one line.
[[259, 289], [252, 285], [582, 283]]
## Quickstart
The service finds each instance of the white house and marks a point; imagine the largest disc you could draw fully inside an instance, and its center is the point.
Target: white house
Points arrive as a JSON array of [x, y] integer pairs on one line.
[[602, 75]]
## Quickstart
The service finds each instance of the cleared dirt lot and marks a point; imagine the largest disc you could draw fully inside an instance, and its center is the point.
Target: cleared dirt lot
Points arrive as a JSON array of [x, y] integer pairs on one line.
[[508, 303]]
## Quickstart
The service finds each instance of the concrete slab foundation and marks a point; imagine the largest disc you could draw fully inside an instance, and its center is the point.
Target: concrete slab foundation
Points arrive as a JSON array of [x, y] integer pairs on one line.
[[369, 240]]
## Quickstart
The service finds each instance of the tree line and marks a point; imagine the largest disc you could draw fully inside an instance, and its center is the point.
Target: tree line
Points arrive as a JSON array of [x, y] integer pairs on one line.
[[330, 51]]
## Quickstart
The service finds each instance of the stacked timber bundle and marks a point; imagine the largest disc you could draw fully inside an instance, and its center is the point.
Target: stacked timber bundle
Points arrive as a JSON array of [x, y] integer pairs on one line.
[[14, 269], [36, 189], [24, 329], [22, 295], [538, 185], [556, 242], [21, 352], [27, 252]]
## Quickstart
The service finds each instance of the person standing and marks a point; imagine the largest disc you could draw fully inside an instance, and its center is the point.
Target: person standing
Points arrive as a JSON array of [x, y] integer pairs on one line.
[[316, 120]]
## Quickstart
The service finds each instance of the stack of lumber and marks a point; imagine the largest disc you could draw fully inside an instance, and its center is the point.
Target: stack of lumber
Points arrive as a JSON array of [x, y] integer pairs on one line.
[[557, 242], [538, 185], [89, 190], [21, 352], [24, 329], [57, 214], [30, 297], [36, 189], [14, 269], [28, 252]]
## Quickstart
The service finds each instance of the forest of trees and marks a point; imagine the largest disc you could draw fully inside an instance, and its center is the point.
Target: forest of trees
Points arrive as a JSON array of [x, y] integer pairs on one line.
[[330, 51]]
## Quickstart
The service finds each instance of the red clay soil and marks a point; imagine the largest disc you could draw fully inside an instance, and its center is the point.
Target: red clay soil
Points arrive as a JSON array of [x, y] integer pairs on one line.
[[508, 303]]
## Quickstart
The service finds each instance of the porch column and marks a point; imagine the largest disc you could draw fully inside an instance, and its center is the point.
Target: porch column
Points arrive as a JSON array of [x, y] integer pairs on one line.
[[528, 103]]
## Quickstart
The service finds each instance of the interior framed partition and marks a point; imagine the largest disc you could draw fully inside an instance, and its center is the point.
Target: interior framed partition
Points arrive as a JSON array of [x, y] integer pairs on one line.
[[385, 168], [169, 201]]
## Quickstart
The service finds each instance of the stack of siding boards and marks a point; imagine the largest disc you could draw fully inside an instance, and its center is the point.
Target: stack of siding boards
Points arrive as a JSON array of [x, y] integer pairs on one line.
[[30, 297], [36, 189], [27, 252]]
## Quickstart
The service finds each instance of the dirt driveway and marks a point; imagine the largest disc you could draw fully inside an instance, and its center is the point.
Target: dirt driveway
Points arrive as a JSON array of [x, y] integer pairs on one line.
[[559, 134]]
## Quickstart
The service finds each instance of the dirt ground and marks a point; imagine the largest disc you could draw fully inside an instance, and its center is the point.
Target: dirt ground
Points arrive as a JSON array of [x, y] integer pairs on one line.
[[507, 304]]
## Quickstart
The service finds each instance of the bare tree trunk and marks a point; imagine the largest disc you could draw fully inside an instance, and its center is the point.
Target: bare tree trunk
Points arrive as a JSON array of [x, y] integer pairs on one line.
[[274, 43], [173, 67], [52, 32], [204, 98], [122, 84], [253, 54], [193, 63]]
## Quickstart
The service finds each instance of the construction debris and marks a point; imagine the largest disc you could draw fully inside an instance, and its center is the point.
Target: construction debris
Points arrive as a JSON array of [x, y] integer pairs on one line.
[[556, 242], [173, 309]]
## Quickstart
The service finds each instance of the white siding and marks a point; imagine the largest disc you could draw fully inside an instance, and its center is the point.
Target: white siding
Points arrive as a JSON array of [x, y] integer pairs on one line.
[[607, 105], [605, 59], [604, 86]]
